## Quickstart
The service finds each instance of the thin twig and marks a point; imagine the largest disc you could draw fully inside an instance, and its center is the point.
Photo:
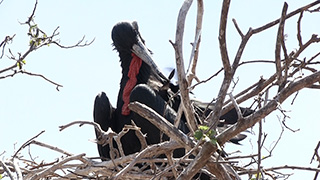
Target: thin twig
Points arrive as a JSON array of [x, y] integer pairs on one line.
[[56, 166], [27, 143], [191, 71], [51, 147], [299, 29], [237, 27], [273, 23]]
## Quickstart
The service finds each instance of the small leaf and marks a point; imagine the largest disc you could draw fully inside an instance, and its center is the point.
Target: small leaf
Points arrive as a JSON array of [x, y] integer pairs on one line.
[[203, 128], [260, 176], [212, 134], [31, 42], [23, 61], [213, 141], [33, 26], [198, 134]]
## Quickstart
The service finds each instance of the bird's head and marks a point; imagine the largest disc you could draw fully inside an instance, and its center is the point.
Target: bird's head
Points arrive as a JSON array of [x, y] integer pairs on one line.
[[125, 35], [127, 38]]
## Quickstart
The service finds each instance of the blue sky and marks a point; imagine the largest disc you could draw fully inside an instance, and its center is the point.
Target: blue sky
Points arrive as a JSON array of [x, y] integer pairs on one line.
[[29, 105]]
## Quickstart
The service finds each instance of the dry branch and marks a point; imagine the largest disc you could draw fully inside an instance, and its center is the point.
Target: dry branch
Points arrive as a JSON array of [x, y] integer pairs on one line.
[[280, 37], [123, 166], [183, 83], [178, 136], [191, 71], [58, 165], [275, 22]]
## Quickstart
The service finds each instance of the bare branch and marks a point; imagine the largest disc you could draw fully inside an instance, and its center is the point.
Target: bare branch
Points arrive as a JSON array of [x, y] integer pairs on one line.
[[27, 143], [236, 106], [222, 36], [80, 43], [176, 135], [316, 154], [282, 167], [278, 46], [161, 148], [32, 74], [56, 166], [299, 29], [249, 121], [271, 24], [32, 15], [237, 27], [183, 84], [200, 160], [162, 123], [5, 42], [191, 71], [51, 147], [81, 123]]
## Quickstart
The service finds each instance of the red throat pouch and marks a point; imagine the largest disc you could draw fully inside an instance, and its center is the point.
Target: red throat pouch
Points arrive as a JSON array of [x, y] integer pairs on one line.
[[131, 83]]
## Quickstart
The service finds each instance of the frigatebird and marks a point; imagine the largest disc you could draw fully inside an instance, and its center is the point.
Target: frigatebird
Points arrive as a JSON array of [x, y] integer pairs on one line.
[[141, 81]]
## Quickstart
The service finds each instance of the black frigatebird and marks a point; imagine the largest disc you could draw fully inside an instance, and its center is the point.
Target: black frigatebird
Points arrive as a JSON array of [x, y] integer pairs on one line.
[[141, 81]]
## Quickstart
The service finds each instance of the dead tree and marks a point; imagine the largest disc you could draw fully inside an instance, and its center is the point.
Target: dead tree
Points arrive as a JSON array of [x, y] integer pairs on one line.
[[285, 81]]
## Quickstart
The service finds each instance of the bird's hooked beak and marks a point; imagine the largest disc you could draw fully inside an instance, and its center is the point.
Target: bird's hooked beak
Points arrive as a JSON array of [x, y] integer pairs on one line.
[[144, 54]]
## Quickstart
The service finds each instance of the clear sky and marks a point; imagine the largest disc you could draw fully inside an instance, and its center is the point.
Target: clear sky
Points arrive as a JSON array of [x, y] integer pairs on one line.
[[29, 105]]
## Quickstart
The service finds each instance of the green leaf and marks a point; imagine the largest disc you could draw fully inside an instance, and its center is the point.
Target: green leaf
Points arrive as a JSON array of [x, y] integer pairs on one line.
[[33, 26], [212, 134], [213, 140], [0, 176], [31, 42], [20, 63], [260, 176], [203, 128], [198, 134]]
